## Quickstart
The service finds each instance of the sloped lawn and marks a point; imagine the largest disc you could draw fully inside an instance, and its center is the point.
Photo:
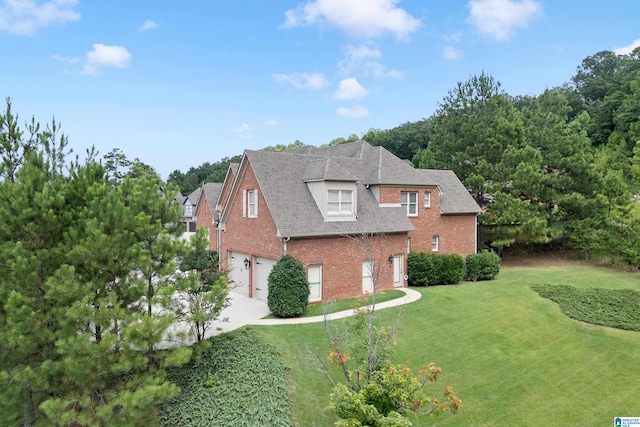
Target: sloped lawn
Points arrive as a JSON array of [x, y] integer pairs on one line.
[[512, 356]]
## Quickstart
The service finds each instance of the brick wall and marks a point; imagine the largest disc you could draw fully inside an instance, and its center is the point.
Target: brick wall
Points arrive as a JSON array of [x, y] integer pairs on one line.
[[456, 233], [341, 259], [204, 218], [253, 236]]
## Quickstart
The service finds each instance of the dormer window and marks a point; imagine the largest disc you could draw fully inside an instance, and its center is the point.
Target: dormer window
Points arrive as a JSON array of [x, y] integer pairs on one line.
[[188, 209], [340, 202]]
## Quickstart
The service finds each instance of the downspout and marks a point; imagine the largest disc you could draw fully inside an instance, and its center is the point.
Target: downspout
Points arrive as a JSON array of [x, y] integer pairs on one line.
[[284, 244]]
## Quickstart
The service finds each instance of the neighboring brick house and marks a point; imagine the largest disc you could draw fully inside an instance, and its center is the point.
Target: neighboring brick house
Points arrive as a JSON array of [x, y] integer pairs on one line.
[[205, 214], [188, 204], [350, 213]]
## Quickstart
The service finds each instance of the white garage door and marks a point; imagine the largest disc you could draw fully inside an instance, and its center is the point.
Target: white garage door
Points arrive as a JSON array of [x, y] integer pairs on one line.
[[261, 272], [238, 273]]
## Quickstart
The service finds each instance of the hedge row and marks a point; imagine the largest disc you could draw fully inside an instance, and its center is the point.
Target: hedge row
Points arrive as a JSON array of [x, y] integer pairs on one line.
[[428, 269]]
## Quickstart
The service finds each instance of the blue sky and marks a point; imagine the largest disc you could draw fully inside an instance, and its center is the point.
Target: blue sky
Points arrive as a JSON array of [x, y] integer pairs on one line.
[[177, 84]]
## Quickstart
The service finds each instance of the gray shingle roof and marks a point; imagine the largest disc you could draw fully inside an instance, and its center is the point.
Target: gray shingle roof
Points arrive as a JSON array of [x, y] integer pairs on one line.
[[283, 177], [211, 191], [455, 198]]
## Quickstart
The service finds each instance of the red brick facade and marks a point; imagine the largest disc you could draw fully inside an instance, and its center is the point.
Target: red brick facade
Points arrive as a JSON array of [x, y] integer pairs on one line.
[[456, 233], [204, 218]]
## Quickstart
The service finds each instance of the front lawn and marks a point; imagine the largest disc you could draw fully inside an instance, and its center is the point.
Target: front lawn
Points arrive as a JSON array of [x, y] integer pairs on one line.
[[512, 356]]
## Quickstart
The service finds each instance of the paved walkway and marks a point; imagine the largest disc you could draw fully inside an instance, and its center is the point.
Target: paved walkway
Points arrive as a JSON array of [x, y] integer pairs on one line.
[[249, 311]]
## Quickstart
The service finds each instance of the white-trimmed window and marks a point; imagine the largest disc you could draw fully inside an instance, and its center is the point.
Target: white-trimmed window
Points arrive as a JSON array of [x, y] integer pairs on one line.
[[250, 203], [188, 209], [367, 276], [435, 243], [409, 201], [314, 276], [427, 199], [340, 202]]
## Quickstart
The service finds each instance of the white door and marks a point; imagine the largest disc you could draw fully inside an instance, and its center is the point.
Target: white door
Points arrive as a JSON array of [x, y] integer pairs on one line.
[[397, 271], [239, 273], [314, 276], [367, 276], [262, 267]]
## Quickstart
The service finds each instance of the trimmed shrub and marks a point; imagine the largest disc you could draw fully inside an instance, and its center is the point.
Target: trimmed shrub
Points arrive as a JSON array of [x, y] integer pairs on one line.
[[482, 266], [288, 288], [454, 269], [428, 269], [417, 266]]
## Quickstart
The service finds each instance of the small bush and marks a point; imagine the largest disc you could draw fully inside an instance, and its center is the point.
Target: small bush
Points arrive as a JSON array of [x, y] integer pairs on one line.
[[482, 266], [417, 267], [288, 288], [454, 269], [428, 269]]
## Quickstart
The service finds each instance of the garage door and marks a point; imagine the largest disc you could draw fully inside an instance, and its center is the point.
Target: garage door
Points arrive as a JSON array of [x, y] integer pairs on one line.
[[238, 273], [263, 267]]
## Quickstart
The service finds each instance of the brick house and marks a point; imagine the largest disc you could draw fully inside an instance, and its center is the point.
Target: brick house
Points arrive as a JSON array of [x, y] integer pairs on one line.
[[205, 214], [350, 213], [188, 205]]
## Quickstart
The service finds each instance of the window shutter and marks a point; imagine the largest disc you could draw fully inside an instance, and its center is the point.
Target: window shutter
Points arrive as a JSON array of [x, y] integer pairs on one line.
[[244, 203]]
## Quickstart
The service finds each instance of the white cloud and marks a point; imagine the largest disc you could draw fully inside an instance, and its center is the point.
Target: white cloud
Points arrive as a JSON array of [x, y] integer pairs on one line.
[[361, 18], [103, 56], [271, 123], [500, 18], [355, 57], [360, 58], [378, 70], [302, 80], [455, 37], [26, 17], [625, 50], [70, 61], [243, 131], [349, 89], [354, 112], [148, 25], [451, 53]]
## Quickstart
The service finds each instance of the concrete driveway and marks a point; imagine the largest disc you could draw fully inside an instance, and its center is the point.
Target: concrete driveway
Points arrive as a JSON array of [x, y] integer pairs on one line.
[[242, 311]]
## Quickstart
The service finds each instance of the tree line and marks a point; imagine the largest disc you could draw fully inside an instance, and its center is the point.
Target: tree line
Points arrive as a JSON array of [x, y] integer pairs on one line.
[[561, 167]]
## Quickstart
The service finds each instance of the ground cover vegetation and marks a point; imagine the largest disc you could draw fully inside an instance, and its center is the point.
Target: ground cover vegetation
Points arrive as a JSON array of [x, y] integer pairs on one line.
[[507, 351], [616, 308], [237, 380], [89, 285]]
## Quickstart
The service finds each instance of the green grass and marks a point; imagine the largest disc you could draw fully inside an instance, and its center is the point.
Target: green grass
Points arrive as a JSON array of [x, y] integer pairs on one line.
[[512, 357], [348, 304]]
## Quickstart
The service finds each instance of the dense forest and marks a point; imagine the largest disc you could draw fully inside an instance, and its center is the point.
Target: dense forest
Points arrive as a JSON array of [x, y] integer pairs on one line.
[[562, 167]]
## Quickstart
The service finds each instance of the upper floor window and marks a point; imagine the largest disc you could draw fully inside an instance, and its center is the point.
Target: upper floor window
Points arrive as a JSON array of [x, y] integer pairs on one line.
[[409, 201], [252, 203], [188, 209], [340, 202], [427, 199]]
